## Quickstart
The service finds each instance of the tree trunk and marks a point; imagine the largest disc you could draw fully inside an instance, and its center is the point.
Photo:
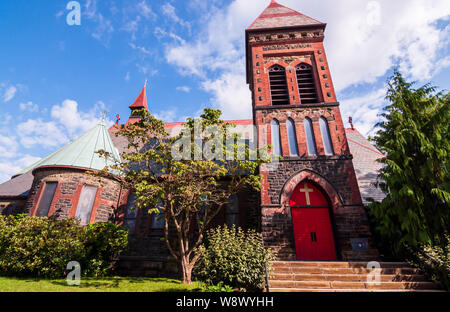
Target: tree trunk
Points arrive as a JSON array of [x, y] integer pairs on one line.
[[186, 269]]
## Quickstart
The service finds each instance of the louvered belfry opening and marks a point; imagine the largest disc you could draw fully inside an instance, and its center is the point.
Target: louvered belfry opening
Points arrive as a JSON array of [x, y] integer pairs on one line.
[[278, 85], [306, 85]]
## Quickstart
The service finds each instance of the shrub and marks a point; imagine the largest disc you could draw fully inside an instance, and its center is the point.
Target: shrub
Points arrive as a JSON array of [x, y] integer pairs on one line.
[[233, 257], [38, 246], [103, 243], [434, 261], [217, 288], [31, 246]]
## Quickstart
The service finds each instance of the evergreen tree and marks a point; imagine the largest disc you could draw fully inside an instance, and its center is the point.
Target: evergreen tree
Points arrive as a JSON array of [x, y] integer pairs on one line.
[[414, 136]]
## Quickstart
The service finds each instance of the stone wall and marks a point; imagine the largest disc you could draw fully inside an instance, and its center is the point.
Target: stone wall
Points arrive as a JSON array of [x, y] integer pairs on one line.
[[12, 206], [348, 217], [70, 182]]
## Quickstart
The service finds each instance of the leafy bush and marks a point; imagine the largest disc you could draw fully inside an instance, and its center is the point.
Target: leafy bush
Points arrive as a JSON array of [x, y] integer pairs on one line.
[[217, 288], [434, 261], [233, 257], [31, 246], [103, 243]]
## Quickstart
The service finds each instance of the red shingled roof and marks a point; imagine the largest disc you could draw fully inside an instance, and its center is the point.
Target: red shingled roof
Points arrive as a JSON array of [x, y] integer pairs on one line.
[[141, 101], [279, 16]]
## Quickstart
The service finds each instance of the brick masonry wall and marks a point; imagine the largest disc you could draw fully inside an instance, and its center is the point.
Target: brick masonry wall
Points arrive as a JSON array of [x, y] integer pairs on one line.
[[334, 174]]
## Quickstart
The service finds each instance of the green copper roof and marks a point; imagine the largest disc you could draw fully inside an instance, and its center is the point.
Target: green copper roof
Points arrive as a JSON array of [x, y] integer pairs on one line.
[[82, 152]]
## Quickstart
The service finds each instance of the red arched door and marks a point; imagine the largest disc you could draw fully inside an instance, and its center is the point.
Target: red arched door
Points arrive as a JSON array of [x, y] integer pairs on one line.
[[312, 225]]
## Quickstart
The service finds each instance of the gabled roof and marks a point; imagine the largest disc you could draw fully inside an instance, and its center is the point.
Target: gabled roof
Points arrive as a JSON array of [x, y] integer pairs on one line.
[[365, 162], [81, 153], [279, 16], [17, 187]]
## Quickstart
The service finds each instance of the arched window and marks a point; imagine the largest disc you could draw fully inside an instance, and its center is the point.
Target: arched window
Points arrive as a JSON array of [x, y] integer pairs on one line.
[[292, 137], [278, 85], [309, 133], [276, 141], [326, 137], [306, 84]]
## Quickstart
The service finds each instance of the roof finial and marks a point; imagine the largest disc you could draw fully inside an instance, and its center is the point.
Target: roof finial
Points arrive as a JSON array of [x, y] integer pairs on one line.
[[104, 114], [350, 120], [145, 84]]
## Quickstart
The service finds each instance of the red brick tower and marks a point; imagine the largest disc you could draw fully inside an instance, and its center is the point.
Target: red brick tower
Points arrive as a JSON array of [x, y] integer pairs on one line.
[[310, 202]]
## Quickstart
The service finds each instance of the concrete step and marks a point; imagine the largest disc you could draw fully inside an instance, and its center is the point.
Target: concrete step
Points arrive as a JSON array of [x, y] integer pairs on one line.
[[350, 290], [346, 277], [332, 264], [341, 270], [350, 285]]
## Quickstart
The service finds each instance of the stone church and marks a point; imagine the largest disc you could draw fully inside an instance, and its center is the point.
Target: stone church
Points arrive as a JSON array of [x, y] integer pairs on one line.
[[310, 207]]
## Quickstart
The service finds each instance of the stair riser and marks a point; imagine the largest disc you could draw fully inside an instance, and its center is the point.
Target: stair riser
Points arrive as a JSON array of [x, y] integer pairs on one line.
[[346, 278], [336, 264], [351, 285], [391, 271]]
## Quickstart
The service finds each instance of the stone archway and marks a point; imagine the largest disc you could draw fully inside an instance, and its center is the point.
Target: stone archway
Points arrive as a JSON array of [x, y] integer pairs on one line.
[[289, 187]]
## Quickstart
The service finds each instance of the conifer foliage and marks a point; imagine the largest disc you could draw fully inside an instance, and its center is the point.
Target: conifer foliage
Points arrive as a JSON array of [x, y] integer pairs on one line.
[[414, 135]]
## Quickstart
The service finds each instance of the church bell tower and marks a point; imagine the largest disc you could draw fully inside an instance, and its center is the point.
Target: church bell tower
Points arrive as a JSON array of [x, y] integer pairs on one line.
[[311, 206]]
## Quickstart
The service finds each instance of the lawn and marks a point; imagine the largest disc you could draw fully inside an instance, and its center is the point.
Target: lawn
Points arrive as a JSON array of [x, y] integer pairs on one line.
[[113, 284]]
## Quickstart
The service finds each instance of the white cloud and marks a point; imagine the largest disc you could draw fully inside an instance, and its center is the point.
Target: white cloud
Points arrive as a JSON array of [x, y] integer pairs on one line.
[[76, 122], [169, 11], [145, 10], [8, 168], [230, 94], [38, 132], [29, 107], [8, 146], [67, 123], [103, 29], [184, 89], [141, 49], [364, 110], [167, 115], [9, 94]]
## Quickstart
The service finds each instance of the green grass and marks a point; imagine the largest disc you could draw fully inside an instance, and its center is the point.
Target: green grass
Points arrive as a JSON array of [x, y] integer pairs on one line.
[[112, 284]]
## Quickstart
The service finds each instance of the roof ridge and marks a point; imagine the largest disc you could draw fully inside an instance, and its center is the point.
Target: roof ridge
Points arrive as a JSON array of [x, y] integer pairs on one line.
[[274, 4]]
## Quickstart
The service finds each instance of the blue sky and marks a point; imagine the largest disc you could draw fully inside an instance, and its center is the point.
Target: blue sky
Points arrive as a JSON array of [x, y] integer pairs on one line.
[[56, 79]]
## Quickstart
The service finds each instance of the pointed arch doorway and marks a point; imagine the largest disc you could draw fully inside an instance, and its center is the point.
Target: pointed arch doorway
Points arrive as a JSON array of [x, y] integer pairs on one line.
[[313, 233]]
